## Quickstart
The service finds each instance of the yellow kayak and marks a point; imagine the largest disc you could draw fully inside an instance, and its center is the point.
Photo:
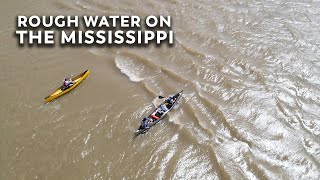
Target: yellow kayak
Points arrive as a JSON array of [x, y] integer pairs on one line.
[[59, 92]]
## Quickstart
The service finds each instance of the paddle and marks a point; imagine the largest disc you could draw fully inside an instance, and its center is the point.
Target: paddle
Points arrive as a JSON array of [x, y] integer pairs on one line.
[[161, 97]]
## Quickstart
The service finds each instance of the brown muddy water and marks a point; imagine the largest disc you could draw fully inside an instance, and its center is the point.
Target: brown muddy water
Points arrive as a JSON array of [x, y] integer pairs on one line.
[[250, 72]]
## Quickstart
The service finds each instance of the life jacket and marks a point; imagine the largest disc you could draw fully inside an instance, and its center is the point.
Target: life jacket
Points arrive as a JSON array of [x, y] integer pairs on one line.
[[67, 83]]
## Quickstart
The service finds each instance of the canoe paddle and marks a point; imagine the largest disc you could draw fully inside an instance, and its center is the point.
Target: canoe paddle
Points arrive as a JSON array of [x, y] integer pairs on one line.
[[161, 97]]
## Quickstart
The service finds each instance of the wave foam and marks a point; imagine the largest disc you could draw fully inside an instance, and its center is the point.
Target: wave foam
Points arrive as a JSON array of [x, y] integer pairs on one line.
[[128, 68]]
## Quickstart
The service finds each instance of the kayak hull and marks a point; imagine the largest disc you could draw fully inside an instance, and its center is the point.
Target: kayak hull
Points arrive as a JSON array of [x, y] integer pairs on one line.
[[59, 92]]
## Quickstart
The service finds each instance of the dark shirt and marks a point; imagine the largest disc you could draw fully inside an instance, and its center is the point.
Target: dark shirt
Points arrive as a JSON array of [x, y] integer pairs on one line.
[[144, 124]]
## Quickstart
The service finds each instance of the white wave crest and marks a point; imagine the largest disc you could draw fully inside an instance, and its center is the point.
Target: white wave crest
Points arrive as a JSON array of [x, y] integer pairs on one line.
[[128, 68]]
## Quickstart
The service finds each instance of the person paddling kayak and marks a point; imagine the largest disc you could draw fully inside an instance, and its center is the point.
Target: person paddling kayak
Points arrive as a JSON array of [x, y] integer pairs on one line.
[[67, 83]]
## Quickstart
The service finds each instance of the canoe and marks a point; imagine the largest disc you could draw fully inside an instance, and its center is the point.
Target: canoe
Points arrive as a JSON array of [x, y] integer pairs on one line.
[[151, 116], [59, 92]]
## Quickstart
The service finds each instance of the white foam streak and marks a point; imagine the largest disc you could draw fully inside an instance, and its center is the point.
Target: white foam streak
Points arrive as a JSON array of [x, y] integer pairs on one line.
[[128, 68]]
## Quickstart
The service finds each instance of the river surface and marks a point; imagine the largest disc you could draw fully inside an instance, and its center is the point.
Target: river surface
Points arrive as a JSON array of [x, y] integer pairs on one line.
[[250, 71]]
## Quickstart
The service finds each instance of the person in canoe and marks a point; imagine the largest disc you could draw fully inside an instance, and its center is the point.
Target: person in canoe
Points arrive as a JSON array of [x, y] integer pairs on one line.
[[144, 123], [169, 102], [67, 83]]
